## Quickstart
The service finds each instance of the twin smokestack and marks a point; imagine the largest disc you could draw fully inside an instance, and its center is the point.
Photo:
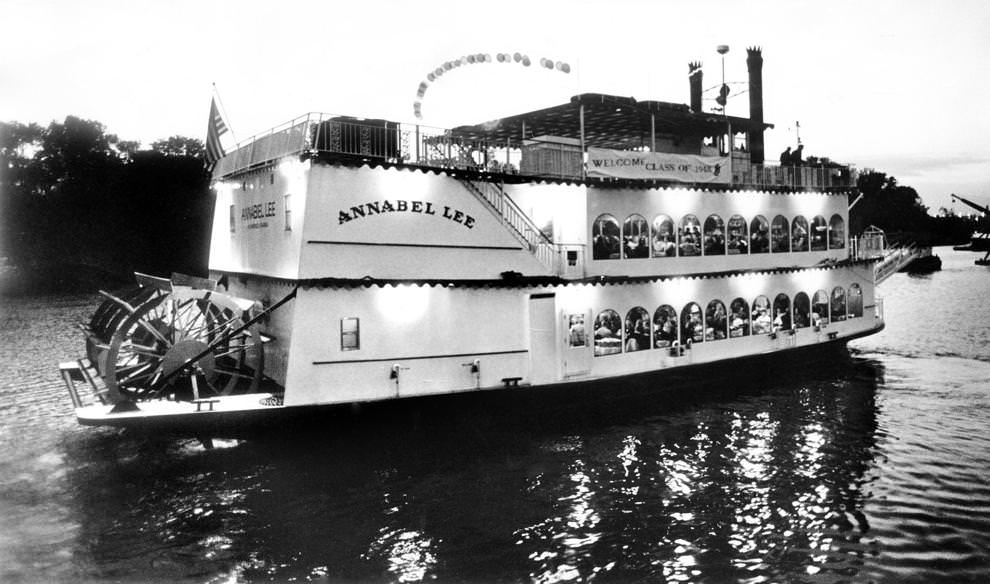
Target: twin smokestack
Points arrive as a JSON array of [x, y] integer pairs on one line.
[[754, 62]]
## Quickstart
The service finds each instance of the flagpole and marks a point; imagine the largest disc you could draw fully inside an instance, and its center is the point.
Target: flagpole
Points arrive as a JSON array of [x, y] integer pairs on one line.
[[223, 111]]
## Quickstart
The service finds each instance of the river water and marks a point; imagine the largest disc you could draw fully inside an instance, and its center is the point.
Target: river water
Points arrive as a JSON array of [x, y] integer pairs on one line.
[[872, 471]]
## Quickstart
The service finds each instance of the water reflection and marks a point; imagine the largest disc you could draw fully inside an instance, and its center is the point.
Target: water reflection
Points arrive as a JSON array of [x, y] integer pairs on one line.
[[767, 483]]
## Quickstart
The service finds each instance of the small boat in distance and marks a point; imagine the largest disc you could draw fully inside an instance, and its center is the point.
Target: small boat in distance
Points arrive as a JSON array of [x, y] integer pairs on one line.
[[363, 260]]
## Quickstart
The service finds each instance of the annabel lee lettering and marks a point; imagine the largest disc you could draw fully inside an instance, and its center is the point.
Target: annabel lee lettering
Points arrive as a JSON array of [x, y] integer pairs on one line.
[[403, 206]]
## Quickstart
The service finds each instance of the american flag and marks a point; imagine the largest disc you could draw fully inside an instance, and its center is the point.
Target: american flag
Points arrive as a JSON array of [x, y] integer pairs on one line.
[[216, 127]]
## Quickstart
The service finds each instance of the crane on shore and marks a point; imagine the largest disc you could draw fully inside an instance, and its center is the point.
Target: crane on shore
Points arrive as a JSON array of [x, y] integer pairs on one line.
[[979, 241]]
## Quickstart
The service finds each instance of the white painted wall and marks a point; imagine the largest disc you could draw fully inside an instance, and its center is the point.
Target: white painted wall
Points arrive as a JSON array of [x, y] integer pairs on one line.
[[442, 231], [433, 332], [259, 242]]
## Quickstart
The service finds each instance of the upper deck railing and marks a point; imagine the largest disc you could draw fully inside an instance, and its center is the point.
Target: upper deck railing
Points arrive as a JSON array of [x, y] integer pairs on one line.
[[426, 146]]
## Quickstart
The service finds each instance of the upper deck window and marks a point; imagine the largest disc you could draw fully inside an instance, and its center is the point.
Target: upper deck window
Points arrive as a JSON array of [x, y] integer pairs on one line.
[[664, 237], [714, 235], [836, 232], [760, 229], [635, 237], [605, 237], [690, 236], [819, 229], [799, 234], [738, 238], [780, 240]]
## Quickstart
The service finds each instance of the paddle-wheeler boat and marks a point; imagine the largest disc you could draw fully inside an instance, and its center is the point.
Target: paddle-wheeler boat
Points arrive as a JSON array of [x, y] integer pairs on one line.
[[576, 247]]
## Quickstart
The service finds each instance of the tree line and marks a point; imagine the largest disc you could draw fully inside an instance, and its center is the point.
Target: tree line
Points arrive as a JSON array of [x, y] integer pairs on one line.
[[899, 211], [81, 208]]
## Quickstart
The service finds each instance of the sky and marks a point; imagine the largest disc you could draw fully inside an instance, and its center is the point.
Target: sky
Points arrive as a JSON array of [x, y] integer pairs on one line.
[[901, 86]]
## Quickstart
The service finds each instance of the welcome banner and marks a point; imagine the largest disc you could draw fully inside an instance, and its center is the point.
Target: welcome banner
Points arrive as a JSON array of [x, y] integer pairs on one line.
[[657, 166]]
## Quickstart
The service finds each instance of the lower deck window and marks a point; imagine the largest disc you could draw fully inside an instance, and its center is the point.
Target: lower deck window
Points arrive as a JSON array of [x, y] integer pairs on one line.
[[350, 334]]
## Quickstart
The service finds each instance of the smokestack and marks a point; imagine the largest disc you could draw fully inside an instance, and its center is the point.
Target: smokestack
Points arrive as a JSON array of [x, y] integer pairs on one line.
[[694, 76], [754, 62]]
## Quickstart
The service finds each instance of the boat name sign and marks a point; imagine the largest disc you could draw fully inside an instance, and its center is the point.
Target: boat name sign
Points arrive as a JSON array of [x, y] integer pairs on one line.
[[402, 206]]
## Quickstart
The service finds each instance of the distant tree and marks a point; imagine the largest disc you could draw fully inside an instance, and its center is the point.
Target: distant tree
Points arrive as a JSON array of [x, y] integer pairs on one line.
[[127, 148], [889, 206], [18, 143], [179, 146]]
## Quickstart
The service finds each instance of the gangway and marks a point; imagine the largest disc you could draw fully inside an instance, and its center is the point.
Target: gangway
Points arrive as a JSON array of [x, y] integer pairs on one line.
[[896, 258], [892, 258]]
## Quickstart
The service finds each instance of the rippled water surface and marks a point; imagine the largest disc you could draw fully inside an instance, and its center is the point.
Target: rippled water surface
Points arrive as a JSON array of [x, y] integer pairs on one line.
[[871, 471]]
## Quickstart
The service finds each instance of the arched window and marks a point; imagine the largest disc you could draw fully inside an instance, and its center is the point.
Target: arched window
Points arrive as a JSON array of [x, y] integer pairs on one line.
[[664, 237], [605, 241], [780, 236], [854, 303], [738, 238], [608, 333], [664, 326], [714, 235], [762, 321], [802, 310], [838, 304], [635, 237], [759, 235], [692, 327], [637, 330], [836, 232], [689, 236], [799, 234], [739, 319], [819, 308], [782, 313], [716, 321], [819, 234]]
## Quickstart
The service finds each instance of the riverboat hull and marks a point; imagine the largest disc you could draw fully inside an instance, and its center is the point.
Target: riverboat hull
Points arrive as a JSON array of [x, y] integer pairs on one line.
[[252, 415]]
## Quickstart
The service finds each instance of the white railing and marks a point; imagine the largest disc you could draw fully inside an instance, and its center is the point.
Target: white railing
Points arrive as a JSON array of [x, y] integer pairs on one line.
[[896, 258], [412, 144], [536, 241], [805, 176], [419, 145]]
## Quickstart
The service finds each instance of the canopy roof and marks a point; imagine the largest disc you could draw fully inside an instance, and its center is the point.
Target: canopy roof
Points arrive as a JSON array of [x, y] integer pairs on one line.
[[609, 122]]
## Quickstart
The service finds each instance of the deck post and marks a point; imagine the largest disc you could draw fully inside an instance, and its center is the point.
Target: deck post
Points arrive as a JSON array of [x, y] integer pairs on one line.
[[584, 173], [731, 180], [653, 132]]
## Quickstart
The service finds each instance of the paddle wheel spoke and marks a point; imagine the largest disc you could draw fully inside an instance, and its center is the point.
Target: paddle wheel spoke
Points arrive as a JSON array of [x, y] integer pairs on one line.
[[138, 365], [234, 373], [130, 379]]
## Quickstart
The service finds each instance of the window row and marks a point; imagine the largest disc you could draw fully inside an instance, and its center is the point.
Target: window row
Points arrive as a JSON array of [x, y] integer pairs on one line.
[[637, 238], [715, 322]]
